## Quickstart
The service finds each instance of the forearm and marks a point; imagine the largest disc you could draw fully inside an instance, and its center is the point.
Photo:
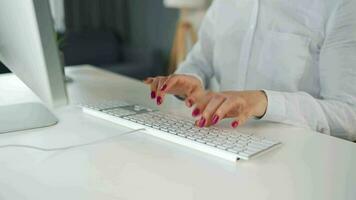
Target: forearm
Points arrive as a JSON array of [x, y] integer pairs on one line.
[[301, 109]]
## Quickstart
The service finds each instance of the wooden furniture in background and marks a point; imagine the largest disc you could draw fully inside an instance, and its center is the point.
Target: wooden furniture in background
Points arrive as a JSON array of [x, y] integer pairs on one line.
[[185, 33]]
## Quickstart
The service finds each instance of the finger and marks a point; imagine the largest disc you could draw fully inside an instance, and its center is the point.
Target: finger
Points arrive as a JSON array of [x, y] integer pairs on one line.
[[200, 106], [210, 109], [226, 108], [194, 97], [188, 102], [154, 88], [240, 120], [148, 80], [177, 85], [159, 94], [162, 86], [200, 103], [170, 83]]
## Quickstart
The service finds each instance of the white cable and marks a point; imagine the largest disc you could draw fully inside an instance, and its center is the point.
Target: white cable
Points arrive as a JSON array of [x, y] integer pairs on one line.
[[67, 147]]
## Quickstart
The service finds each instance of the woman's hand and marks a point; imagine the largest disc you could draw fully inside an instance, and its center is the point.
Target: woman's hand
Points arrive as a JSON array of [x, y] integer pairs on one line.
[[213, 107], [181, 85]]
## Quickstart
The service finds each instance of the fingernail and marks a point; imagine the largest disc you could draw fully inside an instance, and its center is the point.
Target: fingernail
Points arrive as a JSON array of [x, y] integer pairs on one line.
[[235, 124], [153, 94], [215, 119], [195, 112], [164, 87], [201, 123], [159, 100]]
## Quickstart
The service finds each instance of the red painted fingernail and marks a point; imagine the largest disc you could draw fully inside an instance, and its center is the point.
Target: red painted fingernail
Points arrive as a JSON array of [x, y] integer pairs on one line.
[[215, 119], [201, 123], [153, 94], [195, 112], [235, 124], [159, 100], [164, 87]]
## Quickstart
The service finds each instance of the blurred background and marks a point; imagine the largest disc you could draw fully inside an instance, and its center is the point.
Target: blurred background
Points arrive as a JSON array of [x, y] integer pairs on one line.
[[136, 38]]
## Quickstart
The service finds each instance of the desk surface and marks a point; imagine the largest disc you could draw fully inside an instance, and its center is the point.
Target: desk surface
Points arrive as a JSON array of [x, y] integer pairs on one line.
[[308, 165]]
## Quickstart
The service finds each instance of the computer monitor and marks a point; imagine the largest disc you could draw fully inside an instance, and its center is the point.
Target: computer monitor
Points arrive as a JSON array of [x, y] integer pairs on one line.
[[28, 48]]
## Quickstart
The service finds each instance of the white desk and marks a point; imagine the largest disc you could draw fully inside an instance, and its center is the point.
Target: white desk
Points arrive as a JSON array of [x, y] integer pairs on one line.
[[309, 165]]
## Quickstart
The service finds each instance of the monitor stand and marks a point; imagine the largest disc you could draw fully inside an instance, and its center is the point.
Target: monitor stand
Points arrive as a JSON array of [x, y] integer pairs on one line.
[[25, 116]]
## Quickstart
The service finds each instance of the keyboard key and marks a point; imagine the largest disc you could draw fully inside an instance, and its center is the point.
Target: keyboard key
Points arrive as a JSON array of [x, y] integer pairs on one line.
[[250, 152], [222, 147], [182, 134], [211, 144], [191, 137], [234, 150], [200, 141]]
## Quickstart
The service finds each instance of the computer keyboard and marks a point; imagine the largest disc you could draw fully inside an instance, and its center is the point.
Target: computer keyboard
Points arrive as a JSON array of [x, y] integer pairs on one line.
[[225, 143]]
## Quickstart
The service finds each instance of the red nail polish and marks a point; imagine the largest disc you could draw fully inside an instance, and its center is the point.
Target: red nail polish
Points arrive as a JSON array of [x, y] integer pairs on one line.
[[195, 112], [235, 124], [153, 94], [159, 100], [164, 87], [202, 122], [215, 119]]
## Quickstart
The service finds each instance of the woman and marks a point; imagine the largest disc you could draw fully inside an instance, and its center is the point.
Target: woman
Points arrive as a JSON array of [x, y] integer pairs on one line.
[[283, 61]]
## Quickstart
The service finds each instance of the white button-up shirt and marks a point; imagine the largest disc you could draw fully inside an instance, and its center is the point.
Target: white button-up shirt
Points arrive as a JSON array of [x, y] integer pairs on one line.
[[302, 53]]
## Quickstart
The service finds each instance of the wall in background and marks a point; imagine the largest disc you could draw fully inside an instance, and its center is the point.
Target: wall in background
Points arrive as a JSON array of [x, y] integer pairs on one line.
[[90, 15], [144, 24], [152, 25]]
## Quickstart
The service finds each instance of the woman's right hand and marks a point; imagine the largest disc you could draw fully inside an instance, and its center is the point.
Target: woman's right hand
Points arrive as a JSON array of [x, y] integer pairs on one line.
[[182, 85]]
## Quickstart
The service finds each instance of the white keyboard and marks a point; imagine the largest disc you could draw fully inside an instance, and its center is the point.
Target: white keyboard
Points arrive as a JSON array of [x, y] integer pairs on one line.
[[225, 143]]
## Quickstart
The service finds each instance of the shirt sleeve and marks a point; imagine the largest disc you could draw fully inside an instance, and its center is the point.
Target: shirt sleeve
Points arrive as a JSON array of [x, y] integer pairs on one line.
[[335, 111], [199, 60]]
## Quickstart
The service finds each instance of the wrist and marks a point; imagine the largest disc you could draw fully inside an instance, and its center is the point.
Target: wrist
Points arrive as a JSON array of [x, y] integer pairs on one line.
[[261, 105]]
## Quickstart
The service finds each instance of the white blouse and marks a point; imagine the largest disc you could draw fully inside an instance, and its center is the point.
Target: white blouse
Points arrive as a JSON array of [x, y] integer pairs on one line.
[[302, 53]]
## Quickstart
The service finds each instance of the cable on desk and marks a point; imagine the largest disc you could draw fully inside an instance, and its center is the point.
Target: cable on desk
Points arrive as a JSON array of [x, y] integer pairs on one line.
[[67, 147]]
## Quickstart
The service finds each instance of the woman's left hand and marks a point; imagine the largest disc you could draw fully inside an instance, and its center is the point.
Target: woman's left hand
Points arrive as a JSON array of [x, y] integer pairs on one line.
[[215, 106]]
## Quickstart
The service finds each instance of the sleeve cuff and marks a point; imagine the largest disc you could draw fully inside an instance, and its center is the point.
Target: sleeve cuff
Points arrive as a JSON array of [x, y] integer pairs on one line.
[[276, 108]]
